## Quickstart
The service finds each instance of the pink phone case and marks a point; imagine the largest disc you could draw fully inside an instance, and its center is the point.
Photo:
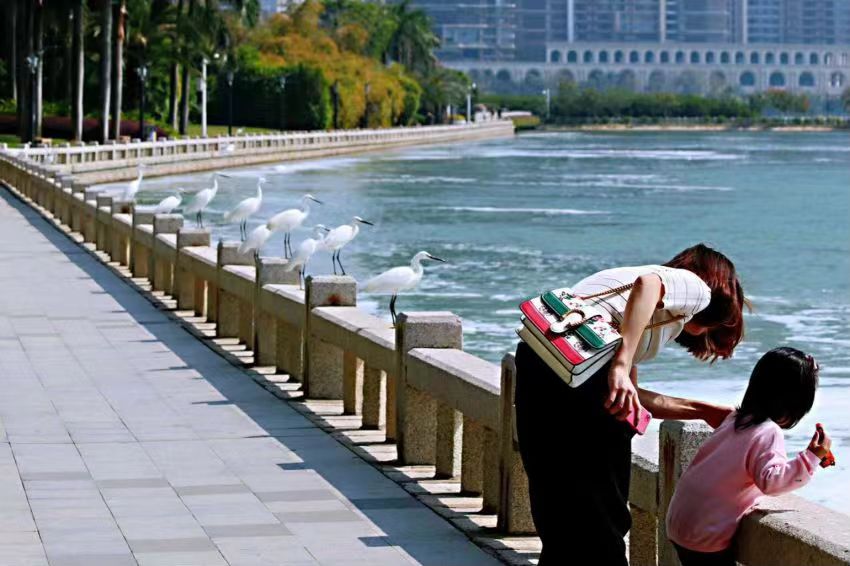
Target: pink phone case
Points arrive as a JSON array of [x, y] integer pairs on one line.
[[640, 421]]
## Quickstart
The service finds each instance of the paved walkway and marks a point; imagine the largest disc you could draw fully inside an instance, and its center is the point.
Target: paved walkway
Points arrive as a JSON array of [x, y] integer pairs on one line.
[[124, 440]]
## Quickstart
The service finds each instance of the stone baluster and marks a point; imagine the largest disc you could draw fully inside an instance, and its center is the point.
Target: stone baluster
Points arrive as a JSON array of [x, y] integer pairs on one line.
[[325, 365], [226, 305], [425, 433], [140, 254], [163, 256], [189, 289], [269, 271]]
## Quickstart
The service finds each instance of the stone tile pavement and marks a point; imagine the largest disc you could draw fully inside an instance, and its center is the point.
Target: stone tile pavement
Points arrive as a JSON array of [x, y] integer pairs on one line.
[[124, 440]]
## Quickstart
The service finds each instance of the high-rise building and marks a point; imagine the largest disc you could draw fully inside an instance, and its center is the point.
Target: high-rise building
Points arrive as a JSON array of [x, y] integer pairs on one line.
[[702, 21], [482, 30]]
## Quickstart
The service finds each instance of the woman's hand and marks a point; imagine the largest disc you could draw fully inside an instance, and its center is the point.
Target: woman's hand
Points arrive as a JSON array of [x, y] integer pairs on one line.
[[714, 415], [821, 444], [622, 393]]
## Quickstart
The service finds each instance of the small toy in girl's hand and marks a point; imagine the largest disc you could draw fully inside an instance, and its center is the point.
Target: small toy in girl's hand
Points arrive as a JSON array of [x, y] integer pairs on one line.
[[829, 459], [639, 420]]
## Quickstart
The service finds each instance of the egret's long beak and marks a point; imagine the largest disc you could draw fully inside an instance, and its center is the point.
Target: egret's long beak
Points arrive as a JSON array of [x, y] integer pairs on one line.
[[437, 258], [365, 222], [314, 199]]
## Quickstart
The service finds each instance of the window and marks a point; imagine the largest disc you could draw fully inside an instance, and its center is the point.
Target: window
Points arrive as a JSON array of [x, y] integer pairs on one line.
[[618, 56], [694, 56], [572, 57], [739, 58], [777, 79], [770, 58], [747, 79], [555, 57], [649, 57], [634, 57], [807, 80], [813, 58], [799, 59], [725, 58], [680, 57], [603, 56], [709, 58], [783, 59], [664, 57], [754, 58], [588, 57]]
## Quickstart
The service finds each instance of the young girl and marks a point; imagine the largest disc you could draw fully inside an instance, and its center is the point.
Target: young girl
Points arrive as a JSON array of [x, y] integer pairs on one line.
[[745, 459]]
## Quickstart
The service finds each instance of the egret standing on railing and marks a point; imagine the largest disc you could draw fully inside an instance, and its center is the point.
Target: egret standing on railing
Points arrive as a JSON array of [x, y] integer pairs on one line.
[[305, 251], [169, 203], [399, 279], [134, 185], [201, 200], [255, 240], [339, 237], [289, 220], [245, 209]]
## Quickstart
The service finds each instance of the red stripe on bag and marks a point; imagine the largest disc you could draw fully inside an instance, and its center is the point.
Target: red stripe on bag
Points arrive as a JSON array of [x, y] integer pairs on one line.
[[532, 314]]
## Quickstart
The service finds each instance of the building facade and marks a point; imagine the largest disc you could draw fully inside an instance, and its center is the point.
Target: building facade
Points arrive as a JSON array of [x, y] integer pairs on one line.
[[521, 29]]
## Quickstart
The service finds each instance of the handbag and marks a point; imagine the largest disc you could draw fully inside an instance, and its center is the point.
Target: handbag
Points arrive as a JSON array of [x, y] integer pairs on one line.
[[570, 334]]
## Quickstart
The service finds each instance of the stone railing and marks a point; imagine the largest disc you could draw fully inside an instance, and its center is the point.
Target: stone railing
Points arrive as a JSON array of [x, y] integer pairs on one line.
[[443, 408], [247, 149]]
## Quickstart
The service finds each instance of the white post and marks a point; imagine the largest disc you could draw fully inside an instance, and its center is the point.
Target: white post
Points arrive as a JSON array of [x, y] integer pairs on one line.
[[204, 97], [469, 107]]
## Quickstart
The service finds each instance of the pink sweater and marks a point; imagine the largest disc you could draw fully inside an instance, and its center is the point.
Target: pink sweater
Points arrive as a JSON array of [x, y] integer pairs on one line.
[[729, 474]]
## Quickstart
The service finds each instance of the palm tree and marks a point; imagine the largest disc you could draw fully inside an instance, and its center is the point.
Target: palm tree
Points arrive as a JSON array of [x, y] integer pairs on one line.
[[413, 42], [105, 66], [78, 62], [119, 16]]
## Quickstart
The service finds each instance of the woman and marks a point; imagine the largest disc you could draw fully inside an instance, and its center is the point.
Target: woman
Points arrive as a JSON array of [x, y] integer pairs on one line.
[[574, 444]]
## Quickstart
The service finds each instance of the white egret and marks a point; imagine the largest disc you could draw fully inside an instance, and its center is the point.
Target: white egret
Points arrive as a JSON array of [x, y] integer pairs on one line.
[[255, 240], [289, 220], [134, 185], [306, 249], [168, 204], [201, 200], [228, 149], [340, 237], [245, 209], [399, 279]]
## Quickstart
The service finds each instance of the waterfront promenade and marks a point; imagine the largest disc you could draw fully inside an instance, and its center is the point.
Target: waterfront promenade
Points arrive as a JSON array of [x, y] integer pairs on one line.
[[125, 440], [426, 417]]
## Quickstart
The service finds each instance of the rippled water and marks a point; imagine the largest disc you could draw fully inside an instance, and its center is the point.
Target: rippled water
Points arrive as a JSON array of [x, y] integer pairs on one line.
[[515, 217]]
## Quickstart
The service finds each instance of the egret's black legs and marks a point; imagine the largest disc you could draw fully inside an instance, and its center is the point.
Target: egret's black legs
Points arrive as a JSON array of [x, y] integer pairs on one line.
[[392, 308], [333, 261], [339, 261]]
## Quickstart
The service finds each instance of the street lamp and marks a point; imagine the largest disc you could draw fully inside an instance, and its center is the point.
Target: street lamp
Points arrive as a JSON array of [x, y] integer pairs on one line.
[[548, 94], [282, 82], [335, 95], [203, 88], [33, 62], [469, 103], [367, 88], [230, 102], [142, 72]]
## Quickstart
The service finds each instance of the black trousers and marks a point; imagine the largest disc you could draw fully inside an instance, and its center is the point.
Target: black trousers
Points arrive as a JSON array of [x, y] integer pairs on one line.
[[693, 558], [578, 460]]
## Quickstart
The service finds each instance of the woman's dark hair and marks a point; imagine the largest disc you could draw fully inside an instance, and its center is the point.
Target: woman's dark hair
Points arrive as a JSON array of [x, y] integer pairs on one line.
[[724, 315], [782, 389]]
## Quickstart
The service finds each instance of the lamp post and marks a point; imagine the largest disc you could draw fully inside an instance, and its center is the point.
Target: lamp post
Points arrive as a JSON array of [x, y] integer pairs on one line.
[[203, 88], [142, 72], [282, 82], [469, 103], [548, 94], [335, 94], [366, 89], [33, 62], [230, 102]]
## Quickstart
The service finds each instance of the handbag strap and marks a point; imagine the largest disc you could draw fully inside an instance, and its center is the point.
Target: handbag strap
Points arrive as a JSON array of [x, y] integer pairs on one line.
[[622, 289]]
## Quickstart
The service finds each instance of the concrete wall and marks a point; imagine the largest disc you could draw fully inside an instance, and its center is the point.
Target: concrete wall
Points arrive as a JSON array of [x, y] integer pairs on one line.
[[443, 408]]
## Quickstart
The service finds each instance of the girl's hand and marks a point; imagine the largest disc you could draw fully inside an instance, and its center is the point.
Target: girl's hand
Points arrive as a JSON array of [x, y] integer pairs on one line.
[[714, 415], [622, 396], [821, 444]]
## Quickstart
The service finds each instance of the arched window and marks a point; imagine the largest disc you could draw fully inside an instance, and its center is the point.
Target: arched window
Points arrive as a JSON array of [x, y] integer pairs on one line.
[[649, 57], [776, 79], [828, 59], [725, 58], [664, 57], [504, 75], [694, 56], [709, 58], [747, 79], [572, 57], [837, 80], [555, 57], [813, 58], [739, 58], [618, 56], [603, 56], [807, 80], [770, 58], [783, 59], [588, 56], [754, 58], [799, 59], [634, 57], [680, 57]]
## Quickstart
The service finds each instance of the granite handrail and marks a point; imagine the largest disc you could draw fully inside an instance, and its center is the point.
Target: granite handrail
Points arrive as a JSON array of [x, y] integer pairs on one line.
[[443, 407]]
